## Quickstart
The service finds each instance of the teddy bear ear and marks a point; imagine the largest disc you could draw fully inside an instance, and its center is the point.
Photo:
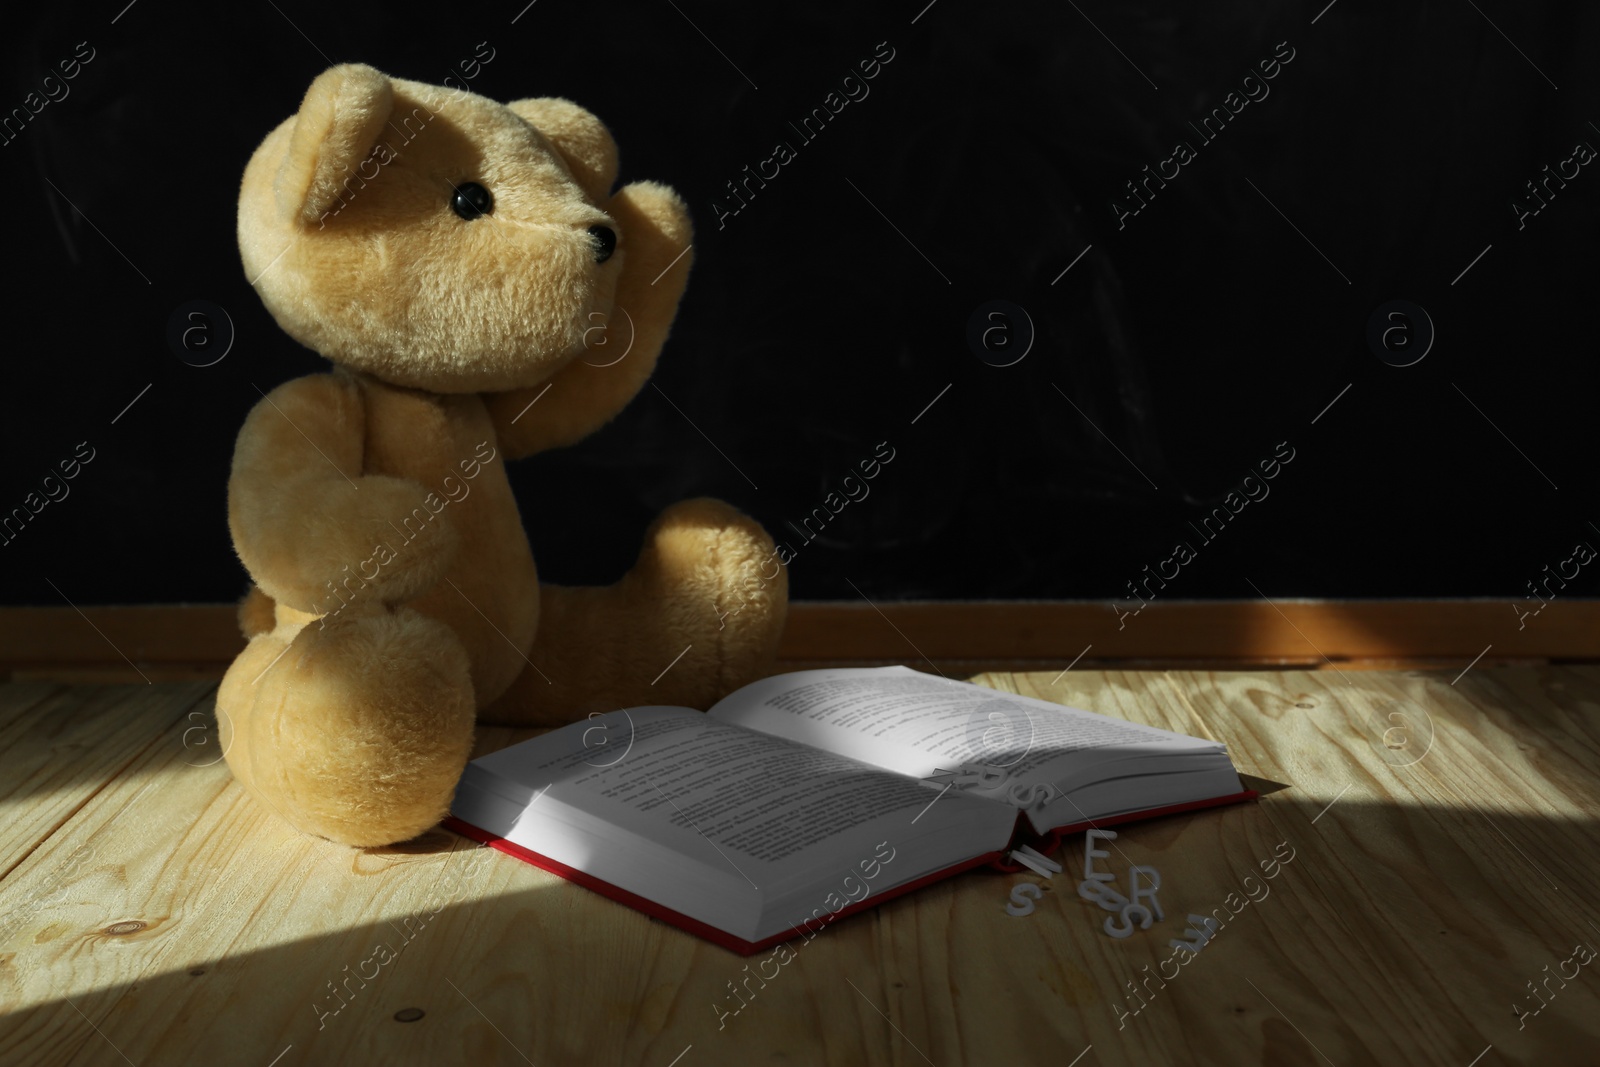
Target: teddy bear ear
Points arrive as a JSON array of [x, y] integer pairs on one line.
[[336, 127], [580, 137]]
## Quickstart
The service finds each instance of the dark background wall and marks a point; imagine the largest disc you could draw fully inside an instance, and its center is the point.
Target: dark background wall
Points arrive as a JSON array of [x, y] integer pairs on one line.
[[1190, 342]]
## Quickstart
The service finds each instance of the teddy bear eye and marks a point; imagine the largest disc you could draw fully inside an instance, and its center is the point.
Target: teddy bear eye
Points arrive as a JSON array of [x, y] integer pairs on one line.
[[471, 200], [605, 242]]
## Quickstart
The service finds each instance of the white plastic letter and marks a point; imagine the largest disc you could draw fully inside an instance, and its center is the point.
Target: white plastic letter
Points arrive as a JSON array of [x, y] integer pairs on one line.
[[1101, 893], [1035, 861], [1202, 929], [1022, 897], [1128, 912], [1136, 892], [1090, 854]]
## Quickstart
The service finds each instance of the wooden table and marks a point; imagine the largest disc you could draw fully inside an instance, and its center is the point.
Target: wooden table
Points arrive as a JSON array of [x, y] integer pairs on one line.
[[1443, 835]]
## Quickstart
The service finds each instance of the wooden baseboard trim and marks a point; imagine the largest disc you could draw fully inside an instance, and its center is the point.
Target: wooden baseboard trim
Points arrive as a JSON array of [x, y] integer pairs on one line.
[[1289, 632], [196, 640]]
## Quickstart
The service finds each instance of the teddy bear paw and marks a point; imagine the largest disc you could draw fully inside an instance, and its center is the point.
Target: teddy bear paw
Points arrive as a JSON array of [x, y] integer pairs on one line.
[[355, 731]]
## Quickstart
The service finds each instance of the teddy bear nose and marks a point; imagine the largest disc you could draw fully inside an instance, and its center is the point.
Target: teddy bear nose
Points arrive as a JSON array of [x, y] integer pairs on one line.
[[605, 242]]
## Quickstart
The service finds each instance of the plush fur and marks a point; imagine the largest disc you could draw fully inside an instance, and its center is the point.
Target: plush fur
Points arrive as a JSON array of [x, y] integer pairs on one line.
[[396, 599]]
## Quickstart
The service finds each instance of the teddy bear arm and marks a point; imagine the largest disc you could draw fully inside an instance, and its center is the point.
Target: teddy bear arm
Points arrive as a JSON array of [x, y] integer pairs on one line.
[[306, 523], [588, 392]]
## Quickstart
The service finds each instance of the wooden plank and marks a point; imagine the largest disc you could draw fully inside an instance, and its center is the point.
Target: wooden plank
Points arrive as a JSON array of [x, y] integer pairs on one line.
[[1434, 872], [199, 640], [87, 674], [139, 871], [16, 699], [60, 746]]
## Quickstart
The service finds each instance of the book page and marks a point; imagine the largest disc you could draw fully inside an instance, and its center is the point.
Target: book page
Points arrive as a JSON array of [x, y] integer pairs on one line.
[[762, 808], [915, 724]]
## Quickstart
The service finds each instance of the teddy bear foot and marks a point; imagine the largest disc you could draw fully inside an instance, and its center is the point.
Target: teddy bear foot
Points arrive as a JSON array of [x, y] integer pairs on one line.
[[356, 731], [710, 577], [698, 616]]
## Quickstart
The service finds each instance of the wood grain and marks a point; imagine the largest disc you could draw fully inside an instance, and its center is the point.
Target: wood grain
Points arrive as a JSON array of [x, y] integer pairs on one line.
[[59, 746], [1443, 837]]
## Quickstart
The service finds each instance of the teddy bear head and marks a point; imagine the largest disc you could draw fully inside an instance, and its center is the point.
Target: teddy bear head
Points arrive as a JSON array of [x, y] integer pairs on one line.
[[431, 237]]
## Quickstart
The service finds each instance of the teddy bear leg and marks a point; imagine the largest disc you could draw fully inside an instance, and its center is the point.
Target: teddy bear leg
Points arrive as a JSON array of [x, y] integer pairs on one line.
[[698, 616], [356, 730]]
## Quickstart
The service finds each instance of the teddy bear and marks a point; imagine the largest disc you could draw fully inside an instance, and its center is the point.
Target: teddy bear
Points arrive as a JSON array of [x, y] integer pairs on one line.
[[472, 277]]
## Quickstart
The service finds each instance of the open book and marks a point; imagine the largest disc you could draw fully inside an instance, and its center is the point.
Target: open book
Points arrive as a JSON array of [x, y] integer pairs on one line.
[[803, 797]]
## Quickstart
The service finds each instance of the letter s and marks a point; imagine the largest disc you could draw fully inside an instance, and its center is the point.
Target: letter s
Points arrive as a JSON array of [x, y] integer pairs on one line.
[[79, 451], [1022, 897], [1126, 927], [879, 51], [1278, 51], [1279, 452]]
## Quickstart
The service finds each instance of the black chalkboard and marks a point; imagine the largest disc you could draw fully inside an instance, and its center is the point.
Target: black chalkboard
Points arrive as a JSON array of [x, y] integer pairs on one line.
[[1085, 272]]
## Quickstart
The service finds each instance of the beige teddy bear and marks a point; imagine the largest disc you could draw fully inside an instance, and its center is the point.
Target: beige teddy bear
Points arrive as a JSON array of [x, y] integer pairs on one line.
[[460, 262]]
